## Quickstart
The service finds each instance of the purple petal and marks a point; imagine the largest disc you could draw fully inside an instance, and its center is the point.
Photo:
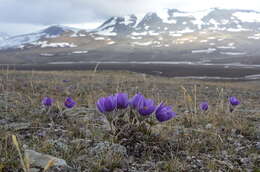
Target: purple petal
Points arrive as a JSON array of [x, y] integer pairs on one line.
[[164, 113], [122, 100], [137, 101], [110, 103], [146, 107], [147, 111], [100, 104]]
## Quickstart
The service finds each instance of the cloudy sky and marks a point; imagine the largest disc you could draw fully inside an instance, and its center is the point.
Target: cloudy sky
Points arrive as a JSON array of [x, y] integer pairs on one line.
[[24, 16]]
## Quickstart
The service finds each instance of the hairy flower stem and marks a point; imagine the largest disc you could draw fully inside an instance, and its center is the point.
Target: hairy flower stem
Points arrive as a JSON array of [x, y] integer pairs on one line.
[[110, 121]]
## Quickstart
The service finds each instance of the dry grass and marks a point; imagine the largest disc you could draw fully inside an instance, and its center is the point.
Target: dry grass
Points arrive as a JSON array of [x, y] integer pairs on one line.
[[194, 141]]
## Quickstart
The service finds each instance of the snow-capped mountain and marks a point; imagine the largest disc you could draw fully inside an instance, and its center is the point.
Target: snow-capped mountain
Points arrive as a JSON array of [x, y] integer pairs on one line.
[[172, 20], [162, 23], [213, 35], [21, 41]]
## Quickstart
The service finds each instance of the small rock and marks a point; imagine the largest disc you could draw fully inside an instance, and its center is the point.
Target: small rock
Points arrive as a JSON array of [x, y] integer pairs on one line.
[[39, 160], [34, 170], [3, 122], [245, 160], [118, 170], [105, 148], [208, 126], [59, 145], [257, 133], [17, 126], [257, 145]]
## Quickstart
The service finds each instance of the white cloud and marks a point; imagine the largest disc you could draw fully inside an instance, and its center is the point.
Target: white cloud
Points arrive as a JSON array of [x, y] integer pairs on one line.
[[16, 29], [38, 13]]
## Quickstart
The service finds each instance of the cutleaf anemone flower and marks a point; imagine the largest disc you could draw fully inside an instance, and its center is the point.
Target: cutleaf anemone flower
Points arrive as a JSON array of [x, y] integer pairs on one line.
[[146, 107], [164, 113], [107, 104], [136, 101], [47, 101], [204, 106], [122, 100], [234, 101], [69, 103]]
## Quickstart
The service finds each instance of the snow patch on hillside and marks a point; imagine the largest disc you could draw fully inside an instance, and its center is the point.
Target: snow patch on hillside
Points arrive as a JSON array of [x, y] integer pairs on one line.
[[111, 42], [134, 37], [47, 54], [74, 35], [45, 44], [226, 47], [174, 34], [208, 51], [233, 53], [99, 38], [255, 36], [143, 43], [127, 20], [17, 41], [163, 14], [79, 52], [107, 32], [139, 33], [247, 16]]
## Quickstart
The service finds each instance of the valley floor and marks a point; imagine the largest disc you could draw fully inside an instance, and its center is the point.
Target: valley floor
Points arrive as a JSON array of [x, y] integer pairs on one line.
[[215, 140], [166, 69]]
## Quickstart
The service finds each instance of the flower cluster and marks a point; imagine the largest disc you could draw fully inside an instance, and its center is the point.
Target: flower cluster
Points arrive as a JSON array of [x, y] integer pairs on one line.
[[144, 106], [68, 103]]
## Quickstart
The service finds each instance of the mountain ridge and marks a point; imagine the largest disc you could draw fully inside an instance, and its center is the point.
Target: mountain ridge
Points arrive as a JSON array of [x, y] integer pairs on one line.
[[207, 36]]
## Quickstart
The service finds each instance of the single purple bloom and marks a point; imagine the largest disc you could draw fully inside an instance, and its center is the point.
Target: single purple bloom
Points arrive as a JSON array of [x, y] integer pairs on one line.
[[122, 100], [107, 104], [47, 101], [164, 113], [146, 107], [69, 103], [204, 106], [234, 101], [136, 100], [66, 80]]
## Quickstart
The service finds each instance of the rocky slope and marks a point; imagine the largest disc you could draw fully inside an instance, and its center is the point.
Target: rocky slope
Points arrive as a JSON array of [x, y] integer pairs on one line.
[[207, 36]]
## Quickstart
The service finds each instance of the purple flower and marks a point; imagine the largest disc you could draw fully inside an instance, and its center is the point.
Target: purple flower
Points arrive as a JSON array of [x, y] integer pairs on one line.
[[65, 80], [122, 100], [136, 100], [47, 101], [164, 113], [234, 101], [69, 102], [204, 106], [146, 107], [107, 104]]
